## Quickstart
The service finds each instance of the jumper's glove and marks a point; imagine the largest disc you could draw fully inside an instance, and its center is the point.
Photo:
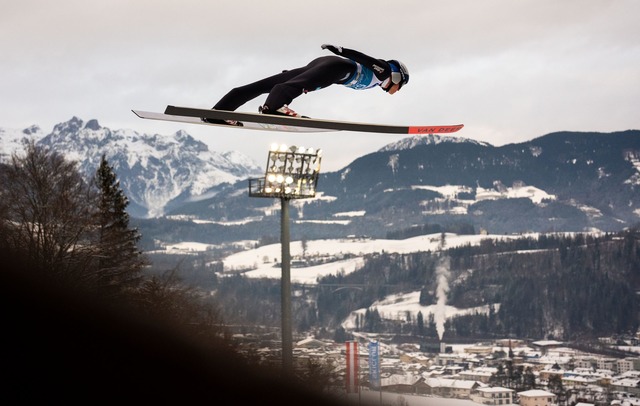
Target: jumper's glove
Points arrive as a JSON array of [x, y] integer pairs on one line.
[[336, 50]]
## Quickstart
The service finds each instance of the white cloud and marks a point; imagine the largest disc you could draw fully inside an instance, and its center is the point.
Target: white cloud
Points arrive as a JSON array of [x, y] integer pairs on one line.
[[510, 71]]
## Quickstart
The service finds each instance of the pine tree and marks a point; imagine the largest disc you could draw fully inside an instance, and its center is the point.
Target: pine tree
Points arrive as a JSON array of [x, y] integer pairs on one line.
[[119, 259], [529, 379], [420, 321]]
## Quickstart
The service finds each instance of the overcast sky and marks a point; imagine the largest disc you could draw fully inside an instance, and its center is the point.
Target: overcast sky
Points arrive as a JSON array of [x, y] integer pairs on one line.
[[509, 70]]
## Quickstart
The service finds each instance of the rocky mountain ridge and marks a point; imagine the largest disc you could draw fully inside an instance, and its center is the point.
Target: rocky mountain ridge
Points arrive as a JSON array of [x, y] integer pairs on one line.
[[155, 171]]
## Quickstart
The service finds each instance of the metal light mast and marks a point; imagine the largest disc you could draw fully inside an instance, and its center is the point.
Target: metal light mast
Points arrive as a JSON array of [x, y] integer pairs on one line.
[[291, 173]]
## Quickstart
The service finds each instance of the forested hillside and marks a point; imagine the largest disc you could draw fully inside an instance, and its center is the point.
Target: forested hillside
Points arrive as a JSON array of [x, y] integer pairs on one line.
[[554, 286]]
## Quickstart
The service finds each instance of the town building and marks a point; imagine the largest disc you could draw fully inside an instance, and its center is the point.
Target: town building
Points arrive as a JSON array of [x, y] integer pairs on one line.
[[536, 397], [493, 396]]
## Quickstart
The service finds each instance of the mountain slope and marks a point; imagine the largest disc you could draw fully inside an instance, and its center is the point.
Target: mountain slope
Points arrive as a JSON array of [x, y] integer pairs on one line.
[[155, 171], [569, 181], [562, 181]]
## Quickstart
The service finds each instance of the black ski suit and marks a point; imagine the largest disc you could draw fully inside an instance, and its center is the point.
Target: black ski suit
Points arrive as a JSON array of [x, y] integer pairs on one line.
[[352, 68]]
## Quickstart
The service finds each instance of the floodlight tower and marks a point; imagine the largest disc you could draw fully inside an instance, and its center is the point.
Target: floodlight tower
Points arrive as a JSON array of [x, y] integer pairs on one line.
[[291, 173]]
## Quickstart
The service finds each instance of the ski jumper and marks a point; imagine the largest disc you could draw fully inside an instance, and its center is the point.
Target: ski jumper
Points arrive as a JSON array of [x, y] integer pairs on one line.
[[352, 69]]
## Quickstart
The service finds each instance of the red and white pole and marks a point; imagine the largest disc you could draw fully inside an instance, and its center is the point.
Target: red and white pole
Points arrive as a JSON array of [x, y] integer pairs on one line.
[[352, 367]]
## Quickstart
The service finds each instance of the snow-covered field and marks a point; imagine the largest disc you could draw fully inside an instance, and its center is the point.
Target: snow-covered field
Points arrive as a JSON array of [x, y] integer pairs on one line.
[[399, 306], [263, 262]]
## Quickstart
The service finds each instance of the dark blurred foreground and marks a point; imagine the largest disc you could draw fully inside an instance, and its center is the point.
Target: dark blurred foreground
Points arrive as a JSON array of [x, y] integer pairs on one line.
[[61, 345]]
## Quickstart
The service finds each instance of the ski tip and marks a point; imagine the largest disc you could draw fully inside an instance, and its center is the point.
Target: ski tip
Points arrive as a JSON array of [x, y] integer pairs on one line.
[[435, 129]]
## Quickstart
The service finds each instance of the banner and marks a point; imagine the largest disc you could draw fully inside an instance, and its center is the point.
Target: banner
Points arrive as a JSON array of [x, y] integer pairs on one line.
[[352, 367], [374, 365]]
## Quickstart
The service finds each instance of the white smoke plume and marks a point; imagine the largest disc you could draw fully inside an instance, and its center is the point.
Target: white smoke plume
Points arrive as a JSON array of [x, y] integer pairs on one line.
[[442, 288], [393, 162]]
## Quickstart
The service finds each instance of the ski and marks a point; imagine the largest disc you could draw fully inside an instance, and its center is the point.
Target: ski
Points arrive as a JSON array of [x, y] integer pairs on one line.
[[285, 123], [245, 125]]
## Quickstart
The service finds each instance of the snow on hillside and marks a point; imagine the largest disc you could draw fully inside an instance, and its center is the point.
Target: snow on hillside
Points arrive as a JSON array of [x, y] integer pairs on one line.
[[516, 191], [635, 160], [263, 262], [404, 305], [427, 139], [154, 170], [14, 141]]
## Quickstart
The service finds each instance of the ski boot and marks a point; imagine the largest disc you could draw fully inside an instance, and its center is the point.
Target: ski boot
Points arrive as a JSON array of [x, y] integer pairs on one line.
[[282, 111]]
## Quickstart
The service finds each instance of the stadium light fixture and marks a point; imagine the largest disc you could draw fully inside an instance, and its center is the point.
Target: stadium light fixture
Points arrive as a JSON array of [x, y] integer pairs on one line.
[[291, 173]]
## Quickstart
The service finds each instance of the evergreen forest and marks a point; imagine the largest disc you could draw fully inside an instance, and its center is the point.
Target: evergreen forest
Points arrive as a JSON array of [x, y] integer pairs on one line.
[[560, 286]]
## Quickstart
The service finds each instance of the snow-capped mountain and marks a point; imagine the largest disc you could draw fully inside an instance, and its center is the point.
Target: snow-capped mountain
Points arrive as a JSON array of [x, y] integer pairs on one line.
[[12, 140], [561, 181], [565, 181], [427, 139], [155, 171]]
